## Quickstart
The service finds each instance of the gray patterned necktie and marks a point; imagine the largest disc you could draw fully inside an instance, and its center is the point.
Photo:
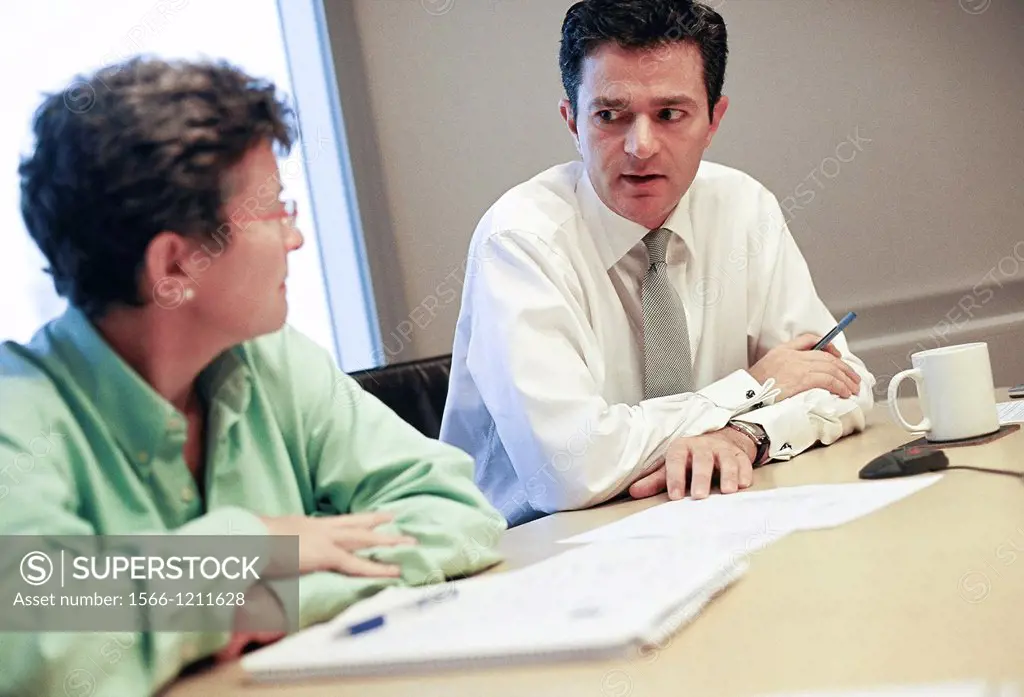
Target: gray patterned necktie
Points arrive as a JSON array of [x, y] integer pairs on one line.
[[668, 367]]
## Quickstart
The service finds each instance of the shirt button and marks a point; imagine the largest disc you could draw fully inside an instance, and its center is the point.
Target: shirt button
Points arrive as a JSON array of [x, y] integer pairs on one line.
[[143, 456], [187, 495], [750, 394]]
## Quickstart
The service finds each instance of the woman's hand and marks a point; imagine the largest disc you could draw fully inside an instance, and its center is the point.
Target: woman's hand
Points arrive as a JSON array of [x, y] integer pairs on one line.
[[328, 543]]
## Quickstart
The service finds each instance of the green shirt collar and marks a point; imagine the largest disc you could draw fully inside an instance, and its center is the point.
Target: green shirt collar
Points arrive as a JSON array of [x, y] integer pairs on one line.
[[140, 419]]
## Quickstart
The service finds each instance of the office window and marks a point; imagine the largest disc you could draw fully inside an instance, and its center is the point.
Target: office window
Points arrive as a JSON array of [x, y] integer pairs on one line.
[[49, 41]]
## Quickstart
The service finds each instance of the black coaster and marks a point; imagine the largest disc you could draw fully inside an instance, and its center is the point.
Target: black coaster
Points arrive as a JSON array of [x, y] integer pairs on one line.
[[926, 444]]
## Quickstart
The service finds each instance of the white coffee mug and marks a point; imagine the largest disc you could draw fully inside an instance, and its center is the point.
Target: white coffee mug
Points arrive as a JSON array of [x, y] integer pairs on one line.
[[955, 388]]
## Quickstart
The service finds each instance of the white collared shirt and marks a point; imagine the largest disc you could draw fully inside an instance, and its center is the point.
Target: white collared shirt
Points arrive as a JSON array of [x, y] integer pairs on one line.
[[546, 388]]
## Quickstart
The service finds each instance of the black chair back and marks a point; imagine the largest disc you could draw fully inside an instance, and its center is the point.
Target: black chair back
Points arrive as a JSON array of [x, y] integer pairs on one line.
[[415, 390]]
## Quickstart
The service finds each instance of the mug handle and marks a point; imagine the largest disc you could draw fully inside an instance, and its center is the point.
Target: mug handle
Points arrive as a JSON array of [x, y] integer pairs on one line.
[[894, 388]]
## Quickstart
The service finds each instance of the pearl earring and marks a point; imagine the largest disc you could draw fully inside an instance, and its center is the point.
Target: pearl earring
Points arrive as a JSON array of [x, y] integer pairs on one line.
[[189, 294]]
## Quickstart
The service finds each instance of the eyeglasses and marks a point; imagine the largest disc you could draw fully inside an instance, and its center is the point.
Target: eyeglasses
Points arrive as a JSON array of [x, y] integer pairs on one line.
[[288, 212]]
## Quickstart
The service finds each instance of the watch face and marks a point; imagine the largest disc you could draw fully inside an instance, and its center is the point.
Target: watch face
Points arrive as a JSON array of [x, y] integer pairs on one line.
[[753, 430]]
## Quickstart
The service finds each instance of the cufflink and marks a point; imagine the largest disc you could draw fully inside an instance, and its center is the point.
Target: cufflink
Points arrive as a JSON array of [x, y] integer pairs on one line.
[[750, 394]]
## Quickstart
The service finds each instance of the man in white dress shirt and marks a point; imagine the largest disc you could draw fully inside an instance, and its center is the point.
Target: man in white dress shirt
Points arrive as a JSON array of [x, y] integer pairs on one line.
[[641, 320]]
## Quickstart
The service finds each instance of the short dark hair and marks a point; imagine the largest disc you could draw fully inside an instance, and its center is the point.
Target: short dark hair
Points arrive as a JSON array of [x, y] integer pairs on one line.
[[642, 24], [134, 149]]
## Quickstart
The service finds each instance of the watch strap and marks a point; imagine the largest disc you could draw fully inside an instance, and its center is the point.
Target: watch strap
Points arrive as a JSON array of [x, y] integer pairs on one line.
[[757, 434]]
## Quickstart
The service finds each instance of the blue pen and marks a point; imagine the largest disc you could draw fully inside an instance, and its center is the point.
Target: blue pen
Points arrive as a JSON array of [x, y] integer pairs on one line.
[[827, 339], [379, 620]]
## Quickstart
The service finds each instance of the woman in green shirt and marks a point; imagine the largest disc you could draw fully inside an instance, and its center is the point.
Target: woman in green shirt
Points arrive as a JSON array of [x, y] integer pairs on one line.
[[172, 398]]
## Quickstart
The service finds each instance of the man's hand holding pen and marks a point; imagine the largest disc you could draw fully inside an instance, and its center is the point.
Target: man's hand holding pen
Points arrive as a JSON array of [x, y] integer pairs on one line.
[[796, 368]]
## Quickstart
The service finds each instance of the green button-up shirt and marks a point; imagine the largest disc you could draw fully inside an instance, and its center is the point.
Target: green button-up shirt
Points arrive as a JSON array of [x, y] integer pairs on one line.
[[88, 447]]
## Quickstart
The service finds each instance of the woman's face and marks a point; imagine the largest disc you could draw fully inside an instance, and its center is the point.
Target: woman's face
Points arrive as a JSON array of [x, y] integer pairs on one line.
[[238, 278]]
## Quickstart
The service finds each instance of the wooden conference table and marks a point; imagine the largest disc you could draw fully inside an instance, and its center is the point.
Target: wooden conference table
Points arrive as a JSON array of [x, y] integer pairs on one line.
[[930, 589]]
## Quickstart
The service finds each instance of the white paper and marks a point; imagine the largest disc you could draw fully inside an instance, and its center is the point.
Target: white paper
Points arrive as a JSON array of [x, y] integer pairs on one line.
[[599, 580], [1010, 412], [606, 596], [960, 689], [748, 521]]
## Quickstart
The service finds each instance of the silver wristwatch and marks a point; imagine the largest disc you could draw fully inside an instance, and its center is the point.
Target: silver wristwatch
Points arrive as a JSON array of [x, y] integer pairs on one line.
[[757, 434]]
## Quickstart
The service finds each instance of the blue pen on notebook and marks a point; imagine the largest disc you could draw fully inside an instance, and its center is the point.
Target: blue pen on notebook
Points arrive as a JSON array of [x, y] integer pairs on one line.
[[376, 621], [827, 339]]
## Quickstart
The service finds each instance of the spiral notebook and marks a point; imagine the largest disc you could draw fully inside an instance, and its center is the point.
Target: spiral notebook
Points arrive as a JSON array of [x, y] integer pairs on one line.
[[592, 602]]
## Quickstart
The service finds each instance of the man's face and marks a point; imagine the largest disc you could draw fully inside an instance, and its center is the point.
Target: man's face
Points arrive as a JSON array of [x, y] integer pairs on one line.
[[642, 126]]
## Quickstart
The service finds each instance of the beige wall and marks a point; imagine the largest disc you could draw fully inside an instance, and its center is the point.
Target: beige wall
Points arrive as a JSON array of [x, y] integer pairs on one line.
[[454, 101]]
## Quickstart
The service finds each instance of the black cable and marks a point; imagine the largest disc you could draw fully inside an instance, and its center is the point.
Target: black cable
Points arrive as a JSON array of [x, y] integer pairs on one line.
[[1019, 475]]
